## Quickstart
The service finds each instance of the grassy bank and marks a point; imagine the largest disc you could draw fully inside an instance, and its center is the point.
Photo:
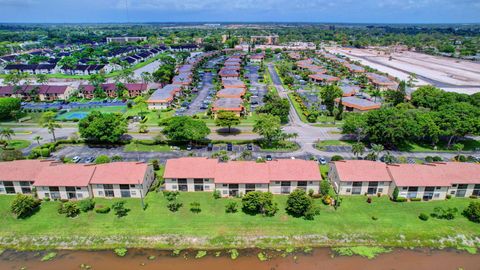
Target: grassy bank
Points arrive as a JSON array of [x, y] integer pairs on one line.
[[396, 225]]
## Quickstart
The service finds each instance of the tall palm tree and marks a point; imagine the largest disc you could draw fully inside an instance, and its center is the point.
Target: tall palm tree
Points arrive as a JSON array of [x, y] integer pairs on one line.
[[38, 138], [48, 121], [6, 133], [358, 149], [377, 149]]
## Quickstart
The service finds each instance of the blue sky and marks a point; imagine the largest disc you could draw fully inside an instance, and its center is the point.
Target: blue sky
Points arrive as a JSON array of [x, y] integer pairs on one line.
[[356, 11]]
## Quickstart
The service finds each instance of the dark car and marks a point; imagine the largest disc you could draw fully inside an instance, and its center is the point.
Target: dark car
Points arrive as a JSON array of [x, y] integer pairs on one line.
[[229, 147], [189, 147], [268, 157], [210, 147], [249, 147]]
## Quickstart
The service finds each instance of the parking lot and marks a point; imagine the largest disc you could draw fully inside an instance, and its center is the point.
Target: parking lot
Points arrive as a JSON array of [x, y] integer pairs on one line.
[[257, 89]]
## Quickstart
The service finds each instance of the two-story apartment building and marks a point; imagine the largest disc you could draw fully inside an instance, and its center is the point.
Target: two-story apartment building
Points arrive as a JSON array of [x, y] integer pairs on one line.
[[235, 178]]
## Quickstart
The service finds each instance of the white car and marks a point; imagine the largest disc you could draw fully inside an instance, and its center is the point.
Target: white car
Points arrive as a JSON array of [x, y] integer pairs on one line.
[[76, 159]]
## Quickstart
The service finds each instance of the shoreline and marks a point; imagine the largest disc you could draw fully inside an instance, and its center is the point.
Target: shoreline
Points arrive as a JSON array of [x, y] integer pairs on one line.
[[178, 242]]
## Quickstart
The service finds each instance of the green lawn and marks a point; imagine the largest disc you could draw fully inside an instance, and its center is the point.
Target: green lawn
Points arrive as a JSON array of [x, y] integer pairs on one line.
[[18, 144], [469, 145], [153, 117], [138, 147], [322, 145], [353, 221]]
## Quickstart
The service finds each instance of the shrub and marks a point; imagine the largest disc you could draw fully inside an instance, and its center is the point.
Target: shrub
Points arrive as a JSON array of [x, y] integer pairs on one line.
[[311, 212], [401, 199], [155, 164], [311, 192], [174, 206], [336, 158], [69, 209], [86, 205], [24, 205], [102, 159], [369, 200], [423, 216], [448, 196], [298, 203], [444, 213], [395, 193], [437, 159], [473, 197], [45, 152], [117, 158], [317, 196], [170, 195], [472, 212], [325, 187], [327, 200], [102, 209], [195, 207], [374, 218], [231, 207], [216, 194], [460, 158], [120, 209], [257, 202], [429, 159], [415, 199]]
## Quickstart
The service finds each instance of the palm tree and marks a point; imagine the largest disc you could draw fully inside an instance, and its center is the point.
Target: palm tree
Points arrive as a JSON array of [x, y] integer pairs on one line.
[[358, 149], [48, 121], [6, 133], [375, 93], [377, 149], [38, 138]]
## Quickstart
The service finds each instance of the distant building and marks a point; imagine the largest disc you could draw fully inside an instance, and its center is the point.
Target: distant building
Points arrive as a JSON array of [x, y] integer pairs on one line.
[[125, 39]]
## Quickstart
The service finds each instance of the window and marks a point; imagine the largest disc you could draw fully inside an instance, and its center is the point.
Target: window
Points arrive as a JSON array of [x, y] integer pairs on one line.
[[405, 188], [108, 189], [182, 185], [47, 195], [80, 195], [225, 185], [438, 187], [133, 192], [100, 193], [476, 190], [132, 186], [452, 192], [2, 190], [357, 188], [380, 190], [9, 187], [79, 188], [225, 192], [26, 190], [24, 184], [198, 184], [174, 187], [348, 190]]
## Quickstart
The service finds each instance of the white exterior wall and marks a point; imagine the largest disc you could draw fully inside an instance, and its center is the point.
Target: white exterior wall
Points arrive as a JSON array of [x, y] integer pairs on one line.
[[172, 184], [346, 188], [158, 105], [224, 189], [276, 188], [136, 190], [81, 192], [438, 194], [17, 187], [454, 188]]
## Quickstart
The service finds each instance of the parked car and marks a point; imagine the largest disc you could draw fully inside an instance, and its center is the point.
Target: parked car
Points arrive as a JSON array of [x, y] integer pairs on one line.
[[76, 159], [322, 160], [268, 157], [249, 147], [189, 147], [89, 159], [210, 147], [229, 147]]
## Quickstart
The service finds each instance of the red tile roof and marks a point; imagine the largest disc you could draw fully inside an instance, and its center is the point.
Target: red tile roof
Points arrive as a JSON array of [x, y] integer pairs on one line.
[[119, 173], [190, 167], [22, 170], [361, 170], [246, 172], [65, 175], [437, 174]]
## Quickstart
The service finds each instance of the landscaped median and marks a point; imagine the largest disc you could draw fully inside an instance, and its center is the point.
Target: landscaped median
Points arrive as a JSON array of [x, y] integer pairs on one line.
[[354, 223]]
